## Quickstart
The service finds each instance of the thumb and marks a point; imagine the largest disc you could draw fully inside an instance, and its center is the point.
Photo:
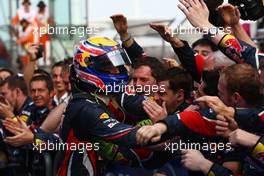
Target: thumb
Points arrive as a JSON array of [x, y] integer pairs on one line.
[[155, 139]]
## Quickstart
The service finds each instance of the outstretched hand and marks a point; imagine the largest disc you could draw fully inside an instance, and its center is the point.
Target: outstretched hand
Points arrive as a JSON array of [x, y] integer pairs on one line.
[[149, 133], [166, 33], [196, 12], [217, 105]]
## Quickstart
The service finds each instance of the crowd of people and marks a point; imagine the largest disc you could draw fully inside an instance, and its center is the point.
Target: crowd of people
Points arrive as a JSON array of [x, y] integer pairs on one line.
[[114, 109], [29, 26]]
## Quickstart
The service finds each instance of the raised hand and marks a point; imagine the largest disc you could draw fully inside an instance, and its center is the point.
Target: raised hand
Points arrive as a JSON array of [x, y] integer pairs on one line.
[[217, 105], [120, 23], [196, 12], [166, 33], [230, 14]]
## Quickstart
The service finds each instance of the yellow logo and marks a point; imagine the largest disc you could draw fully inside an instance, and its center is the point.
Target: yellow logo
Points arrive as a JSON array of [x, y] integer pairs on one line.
[[104, 116], [24, 118], [38, 141]]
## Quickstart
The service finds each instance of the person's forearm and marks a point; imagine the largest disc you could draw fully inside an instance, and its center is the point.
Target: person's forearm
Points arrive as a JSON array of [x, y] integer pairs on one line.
[[241, 34], [29, 71], [177, 43], [192, 62], [53, 119]]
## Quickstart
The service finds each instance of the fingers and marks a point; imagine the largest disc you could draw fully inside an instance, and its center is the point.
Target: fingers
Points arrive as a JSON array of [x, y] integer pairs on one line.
[[206, 99], [196, 2], [13, 140], [237, 12], [155, 139], [183, 9], [221, 124], [12, 122], [221, 118], [185, 3], [203, 4], [118, 17], [142, 135], [183, 152], [149, 106], [221, 129], [157, 26], [232, 123], [149, 112], [12, 129], [12, 126]]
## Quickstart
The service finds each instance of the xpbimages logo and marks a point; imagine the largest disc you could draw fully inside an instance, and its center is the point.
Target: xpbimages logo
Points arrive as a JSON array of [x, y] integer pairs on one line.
[[213, 31], [211, 147], [132, 89], [80, 31], [79, 147]]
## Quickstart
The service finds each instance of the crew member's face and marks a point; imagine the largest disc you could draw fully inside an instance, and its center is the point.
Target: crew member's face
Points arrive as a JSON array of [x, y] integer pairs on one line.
[[57, 79], [165, 94], [40, 93], [204, 50], [8, 94], [143, 78], [26, 6]]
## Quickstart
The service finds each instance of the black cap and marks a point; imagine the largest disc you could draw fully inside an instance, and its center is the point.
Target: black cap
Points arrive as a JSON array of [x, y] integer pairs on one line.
[[41, 4], [26, 1]]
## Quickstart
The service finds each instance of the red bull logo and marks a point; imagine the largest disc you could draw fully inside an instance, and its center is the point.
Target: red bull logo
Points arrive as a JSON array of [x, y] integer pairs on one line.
[[231, 41]]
